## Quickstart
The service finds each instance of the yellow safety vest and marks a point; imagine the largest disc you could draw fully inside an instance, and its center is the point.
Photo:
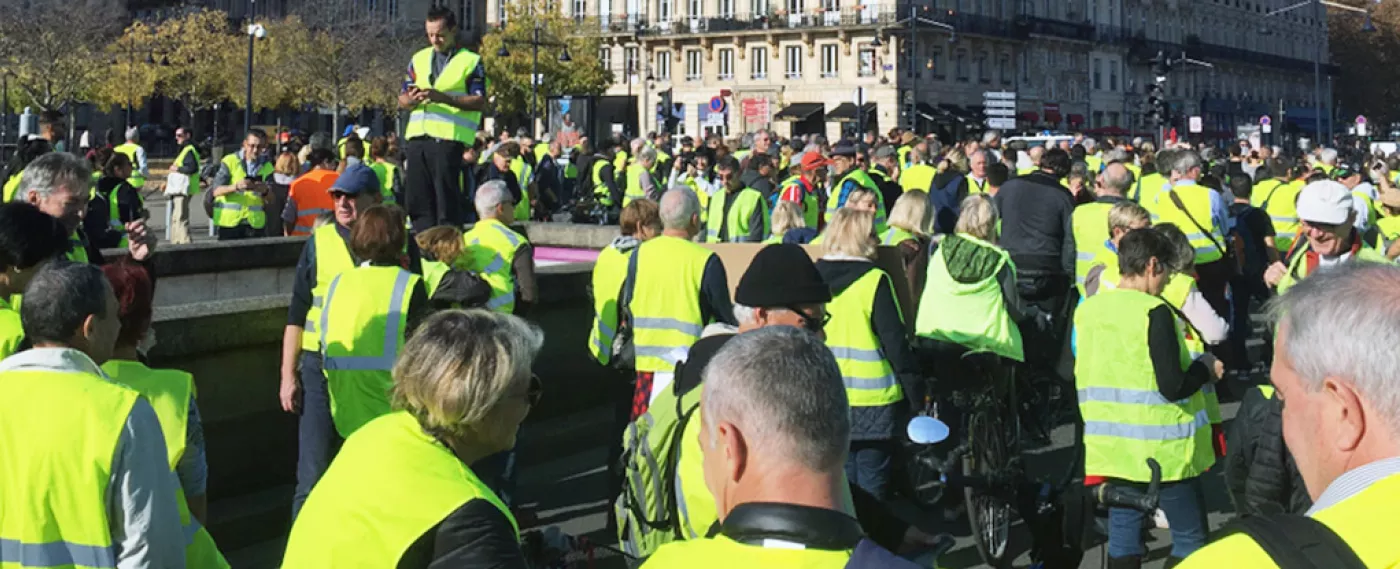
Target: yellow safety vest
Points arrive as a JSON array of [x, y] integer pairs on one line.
[[490, 249], [1146, 192], [114, 219], [237, 208], [170, 393], [1094, 163], [58, 438], [1126, 419], [862, 179], [1298, 266], [137, 180], [436, 120], [666, 317], [390, 483], [1359, 520], [745, 202], [1178, 288], [720, 551], [917, 177], [1090, 224], [361, 336], [1388, 230], [811, 210], [77, 248], [332, 258], [1371, 213], [971, 314], [601, 192], [895, 236], [903, 154], [364, 144], [1279, 199], [869, 379], [648, 515], [11, 330], [609, 271], [387, 173], [523, 172], [634, 189], [180, 159], [12, 186], [975, 187], [1196, 199]]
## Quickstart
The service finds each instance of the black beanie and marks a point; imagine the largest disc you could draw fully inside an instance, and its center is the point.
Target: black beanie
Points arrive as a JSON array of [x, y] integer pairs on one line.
[[781, 275]]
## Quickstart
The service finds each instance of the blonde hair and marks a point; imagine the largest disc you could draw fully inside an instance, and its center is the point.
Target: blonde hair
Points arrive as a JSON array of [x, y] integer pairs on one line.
[[1126, 215], [460, 365], [443, 242], [287, 164], [860, 194], [849, 233], [911, 213], [787, 215], [978, 218]]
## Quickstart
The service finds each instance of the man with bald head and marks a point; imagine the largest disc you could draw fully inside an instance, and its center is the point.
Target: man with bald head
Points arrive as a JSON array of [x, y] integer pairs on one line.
[[1032, 161], [1090, 220]]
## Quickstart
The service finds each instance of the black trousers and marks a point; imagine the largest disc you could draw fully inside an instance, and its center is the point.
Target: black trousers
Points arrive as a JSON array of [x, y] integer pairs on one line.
[[242, 231], [432, 183]]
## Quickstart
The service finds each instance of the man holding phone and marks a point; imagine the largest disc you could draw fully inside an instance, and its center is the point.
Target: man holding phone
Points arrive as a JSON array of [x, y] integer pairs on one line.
[[240, 188], [445, 89]]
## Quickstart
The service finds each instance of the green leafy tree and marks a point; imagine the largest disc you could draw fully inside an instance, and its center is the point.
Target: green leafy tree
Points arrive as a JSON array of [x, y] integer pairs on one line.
[[52, 52], [132, 71], [511, 88], [1370, 61], [203, 60]]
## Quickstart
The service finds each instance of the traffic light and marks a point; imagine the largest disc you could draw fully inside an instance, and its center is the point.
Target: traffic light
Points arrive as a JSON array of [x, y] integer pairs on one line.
[[1157, 110], [663, 111]]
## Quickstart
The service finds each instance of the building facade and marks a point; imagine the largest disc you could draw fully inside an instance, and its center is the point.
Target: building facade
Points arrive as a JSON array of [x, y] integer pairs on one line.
[[827, 66]]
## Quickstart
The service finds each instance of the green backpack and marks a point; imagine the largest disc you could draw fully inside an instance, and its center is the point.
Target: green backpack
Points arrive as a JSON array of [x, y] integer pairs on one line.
[[646, 510]]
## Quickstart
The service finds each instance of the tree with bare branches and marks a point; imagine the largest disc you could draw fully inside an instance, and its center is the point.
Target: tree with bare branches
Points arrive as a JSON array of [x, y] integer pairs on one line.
[[54, 50]]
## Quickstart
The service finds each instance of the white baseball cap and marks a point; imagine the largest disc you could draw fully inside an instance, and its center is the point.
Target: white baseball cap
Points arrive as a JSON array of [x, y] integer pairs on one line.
[[1325, 201]]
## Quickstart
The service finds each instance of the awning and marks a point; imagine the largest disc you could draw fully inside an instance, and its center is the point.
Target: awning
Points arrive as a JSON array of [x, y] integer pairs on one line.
[[934, 114], [1076, 119], [955, 111], [1029, 116], [799, 111], [846, 112], [1052, 117]]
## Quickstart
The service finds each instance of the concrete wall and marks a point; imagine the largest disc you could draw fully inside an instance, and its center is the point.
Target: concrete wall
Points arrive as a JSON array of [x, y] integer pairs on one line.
[[220, 313]]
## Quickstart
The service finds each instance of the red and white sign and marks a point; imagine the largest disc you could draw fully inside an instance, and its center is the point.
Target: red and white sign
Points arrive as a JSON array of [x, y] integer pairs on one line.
[[756, 111]]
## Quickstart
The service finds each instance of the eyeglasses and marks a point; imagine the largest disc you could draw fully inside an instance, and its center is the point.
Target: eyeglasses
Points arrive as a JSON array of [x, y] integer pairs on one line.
[[808, 322]]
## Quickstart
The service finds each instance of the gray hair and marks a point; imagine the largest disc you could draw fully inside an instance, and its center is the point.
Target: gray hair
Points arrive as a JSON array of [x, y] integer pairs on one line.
[[52, 171], [679, 206], [647, 154], [744, 315], [489, 196], [1116, 178], [1089, 144], [1328, 156], [991, 135], [1116, 155], [1185, 161], [1335, 319], [60, 298], [637, 144], [460, 364], [780, 385]]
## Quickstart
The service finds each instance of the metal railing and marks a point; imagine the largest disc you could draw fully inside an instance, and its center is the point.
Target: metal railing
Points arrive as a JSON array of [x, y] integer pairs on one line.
[[739, 22]]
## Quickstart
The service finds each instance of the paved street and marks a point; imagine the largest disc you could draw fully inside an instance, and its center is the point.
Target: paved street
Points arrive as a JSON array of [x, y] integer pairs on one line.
[[562, 482]]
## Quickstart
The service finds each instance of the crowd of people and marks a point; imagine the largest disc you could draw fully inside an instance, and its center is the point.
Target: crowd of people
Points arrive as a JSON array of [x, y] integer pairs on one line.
[[758, 427]]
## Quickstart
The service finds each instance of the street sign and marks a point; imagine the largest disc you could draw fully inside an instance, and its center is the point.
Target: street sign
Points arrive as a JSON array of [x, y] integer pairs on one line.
[[716, 104], [1265, 120], [999, 112], [999, 104], [1195, 125], [1267, 128], [859, 96], [1001, 123], [1002, 95]]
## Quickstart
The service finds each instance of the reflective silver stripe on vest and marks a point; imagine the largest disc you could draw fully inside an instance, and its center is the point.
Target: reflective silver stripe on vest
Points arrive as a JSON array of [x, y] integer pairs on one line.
[[497, 263], [1148, 432], [672, 324], [603, 340], [1125, 396], [318, 301], [1083, 256], [885, 382], [313, 211], [236, 207], [685, 522], [501, 301], [55, 554], [854, 354], [455, 120], [1282, 219], [392, 329], [509, 235]]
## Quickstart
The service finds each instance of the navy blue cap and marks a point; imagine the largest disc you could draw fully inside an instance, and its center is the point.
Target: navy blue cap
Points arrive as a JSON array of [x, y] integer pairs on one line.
[[355, 179], [843, 148]]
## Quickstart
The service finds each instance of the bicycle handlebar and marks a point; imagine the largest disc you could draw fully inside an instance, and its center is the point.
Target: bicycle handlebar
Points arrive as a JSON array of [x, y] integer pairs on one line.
[[1124, 497]]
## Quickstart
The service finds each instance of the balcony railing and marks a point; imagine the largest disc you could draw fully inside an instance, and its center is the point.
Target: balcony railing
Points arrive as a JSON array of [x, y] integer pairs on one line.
[[740, 22]]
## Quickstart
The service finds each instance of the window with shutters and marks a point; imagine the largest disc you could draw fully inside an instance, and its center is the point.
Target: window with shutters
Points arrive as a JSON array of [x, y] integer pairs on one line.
[[1098, 74], [663, 65], [726, 64], [758, 63], [1004, 68], [867, 61], [831, 61], [693, 62], [794, 62], [605, 58], [960, 65], [629, 62]]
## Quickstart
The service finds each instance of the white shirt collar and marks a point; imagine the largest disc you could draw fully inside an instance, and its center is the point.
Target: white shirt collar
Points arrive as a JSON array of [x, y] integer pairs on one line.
[[1355, 481]]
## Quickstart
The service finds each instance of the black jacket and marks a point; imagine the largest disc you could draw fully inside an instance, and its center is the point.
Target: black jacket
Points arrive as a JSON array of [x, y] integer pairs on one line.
[[475, 536], [945, 205], [489, 172], [1259, 471], [1036, 227], [879, 423]]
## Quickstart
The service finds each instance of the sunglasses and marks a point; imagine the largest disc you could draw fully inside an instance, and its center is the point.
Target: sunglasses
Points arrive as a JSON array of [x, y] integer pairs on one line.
[[808, 322]]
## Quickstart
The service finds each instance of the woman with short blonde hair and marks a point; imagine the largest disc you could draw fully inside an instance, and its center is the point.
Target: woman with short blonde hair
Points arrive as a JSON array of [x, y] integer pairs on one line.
[[849, 234], [979, 218], [787, 215], [462, 386], [910, 218]]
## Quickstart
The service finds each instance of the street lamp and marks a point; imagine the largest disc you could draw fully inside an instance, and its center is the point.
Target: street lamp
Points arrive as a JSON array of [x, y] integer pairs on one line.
[[255, 32], [913, 21], [535, 80], [1318, 13]]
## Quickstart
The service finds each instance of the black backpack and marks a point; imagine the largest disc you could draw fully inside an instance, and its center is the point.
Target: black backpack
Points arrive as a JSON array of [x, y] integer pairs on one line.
[[1297, 542]]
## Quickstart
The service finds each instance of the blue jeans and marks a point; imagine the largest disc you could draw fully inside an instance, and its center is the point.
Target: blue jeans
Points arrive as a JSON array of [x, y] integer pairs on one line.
[[317, 439], [868, 466], [1184, 504]]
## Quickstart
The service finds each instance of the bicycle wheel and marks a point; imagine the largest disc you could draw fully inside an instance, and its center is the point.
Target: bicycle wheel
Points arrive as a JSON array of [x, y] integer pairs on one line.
[[988, 516]]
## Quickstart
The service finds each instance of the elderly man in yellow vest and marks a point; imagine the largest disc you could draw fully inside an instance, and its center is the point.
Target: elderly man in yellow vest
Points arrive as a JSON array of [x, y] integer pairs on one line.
[[445, 89], [140, 170], [500, 255], [1340, 421], [98, 491], [241, 190]]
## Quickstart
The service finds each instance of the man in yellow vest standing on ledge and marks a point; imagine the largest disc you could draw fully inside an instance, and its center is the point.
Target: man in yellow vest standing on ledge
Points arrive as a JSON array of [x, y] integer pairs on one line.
[[446, 90], [97, 491], [1340, 422], [241, 190], [133, 150]]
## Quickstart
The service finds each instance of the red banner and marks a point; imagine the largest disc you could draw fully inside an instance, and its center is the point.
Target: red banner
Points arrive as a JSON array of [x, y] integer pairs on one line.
[[756, 111]]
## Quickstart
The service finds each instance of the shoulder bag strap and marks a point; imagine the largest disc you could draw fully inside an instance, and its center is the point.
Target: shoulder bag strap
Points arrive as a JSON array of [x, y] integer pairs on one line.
[[1298, 542], [1176, 200], [629, 284]]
